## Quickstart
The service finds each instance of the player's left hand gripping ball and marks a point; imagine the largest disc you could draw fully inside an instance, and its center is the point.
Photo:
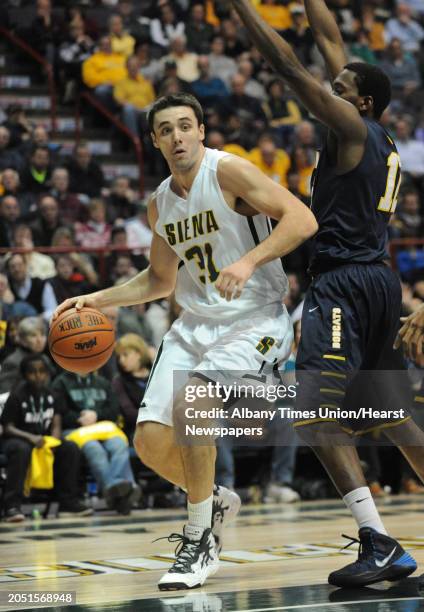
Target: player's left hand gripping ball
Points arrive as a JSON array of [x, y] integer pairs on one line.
[[233, 278]]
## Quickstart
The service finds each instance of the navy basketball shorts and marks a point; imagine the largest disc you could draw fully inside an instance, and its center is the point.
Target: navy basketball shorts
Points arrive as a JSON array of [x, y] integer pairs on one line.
[[347, 369]]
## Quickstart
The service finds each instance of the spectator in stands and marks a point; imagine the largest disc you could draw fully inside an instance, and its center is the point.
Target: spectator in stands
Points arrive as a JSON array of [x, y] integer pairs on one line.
[[303, 163], [170, 82], [119, 239], [134, 362], [68, 282], [31, 412], [405, 28], [12, 321], [86, 175], [248, 109], [75, 15], [221, 65], [208, 90], [123, 268], [150, 67], [402, 69], [139, 234], [166, 27], [407, 221], [411, 151], [88, 399], [6, 300], [199, 33], [35, 177], [9, 157], [11, 184], [121, 202], [9, 214], [95, 232], [273, 162], [134, 94], [18, 125], [299, 35], [277, 16], [361, 50], [252, 87], [45, 31], [31, 339], [233, 45], [72, 53], [48, 219], [33, 290], [187, 68], [130, 16], [38, 265], [70, 206], [282, 111], [103, 70], [122, 42]]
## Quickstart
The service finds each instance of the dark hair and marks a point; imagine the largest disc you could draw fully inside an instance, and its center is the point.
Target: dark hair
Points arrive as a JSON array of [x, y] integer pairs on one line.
[[29, 359], [173, 100], [36, 148], [372, 81]]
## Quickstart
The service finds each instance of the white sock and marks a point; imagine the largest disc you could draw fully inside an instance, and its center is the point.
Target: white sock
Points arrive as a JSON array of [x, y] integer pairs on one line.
[[363, 509], [199, 515]]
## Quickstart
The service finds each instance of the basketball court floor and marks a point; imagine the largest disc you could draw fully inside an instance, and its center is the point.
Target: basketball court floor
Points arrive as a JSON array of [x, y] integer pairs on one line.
[[276, 558]]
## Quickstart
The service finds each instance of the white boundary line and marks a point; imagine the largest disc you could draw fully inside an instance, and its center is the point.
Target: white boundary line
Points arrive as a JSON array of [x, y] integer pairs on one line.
[[329, 603]]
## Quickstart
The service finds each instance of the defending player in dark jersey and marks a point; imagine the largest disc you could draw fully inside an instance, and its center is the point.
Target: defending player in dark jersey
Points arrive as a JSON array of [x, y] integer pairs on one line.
[[351, 311]]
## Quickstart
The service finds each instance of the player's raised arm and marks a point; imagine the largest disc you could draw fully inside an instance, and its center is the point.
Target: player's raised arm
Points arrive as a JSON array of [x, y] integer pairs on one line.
[[339, 115], [327, 36], [296, 223], [157, 281]]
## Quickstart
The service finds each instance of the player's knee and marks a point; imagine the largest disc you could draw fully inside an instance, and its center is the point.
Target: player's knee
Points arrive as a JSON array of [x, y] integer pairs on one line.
[[146, 444]]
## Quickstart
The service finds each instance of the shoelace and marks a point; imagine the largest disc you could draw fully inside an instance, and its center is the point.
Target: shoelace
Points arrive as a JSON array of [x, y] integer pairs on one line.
[[185, 551], [353, 541]]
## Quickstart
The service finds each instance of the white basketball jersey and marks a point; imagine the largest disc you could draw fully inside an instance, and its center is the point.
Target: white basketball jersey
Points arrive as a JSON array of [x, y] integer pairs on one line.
[[207, 236]]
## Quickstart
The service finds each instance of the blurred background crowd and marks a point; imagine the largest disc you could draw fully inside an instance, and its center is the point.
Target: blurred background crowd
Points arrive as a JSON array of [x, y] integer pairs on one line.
[[66, 182]]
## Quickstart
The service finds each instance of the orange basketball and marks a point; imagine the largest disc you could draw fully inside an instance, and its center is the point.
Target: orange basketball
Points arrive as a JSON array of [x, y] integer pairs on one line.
[[81, 341]]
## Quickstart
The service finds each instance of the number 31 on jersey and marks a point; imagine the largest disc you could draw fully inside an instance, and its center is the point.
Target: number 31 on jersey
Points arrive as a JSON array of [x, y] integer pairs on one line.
[[389, 200]]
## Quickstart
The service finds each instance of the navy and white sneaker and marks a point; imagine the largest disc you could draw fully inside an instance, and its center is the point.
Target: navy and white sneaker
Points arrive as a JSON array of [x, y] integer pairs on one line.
[[196, 560], [225, 507], [380, 558]]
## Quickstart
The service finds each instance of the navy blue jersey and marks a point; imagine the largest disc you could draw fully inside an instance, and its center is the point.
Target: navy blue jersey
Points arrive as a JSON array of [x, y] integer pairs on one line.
[[354, 209]]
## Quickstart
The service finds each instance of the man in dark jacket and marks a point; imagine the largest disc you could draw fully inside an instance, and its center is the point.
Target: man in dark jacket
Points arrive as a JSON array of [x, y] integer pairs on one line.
[[86, 176]]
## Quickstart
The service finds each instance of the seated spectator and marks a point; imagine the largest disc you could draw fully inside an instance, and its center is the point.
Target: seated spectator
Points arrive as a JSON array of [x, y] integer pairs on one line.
[[9, 215], [166, 27], [11, 341], [102, 70], [407, 221], [303, 164], [35, 178], [207, 89], [134, 94], [360, 49], [221, 65], [273, 162], [9, 157], [85, 174], [132, 19], [199, 33], [277, 16], [405, 28], [31, 412], [123, 269], [233, 44], [38, 264], [75, 15], [186, 61], [70, 207], [72, 53], [122, 42], [216, 140], [47, 220], [45, 31], [18, 125], [401, 69], [64, 237], [282, 111], [170, 82], [121, 200], [248, 109], [86, 400], [31, 339], [119, 240], [95, 232], [252, 87], [34, 290], [11, 185], [411, 151], [150, 67], [133, 320], [68, 282], [139, 234], [130, 384], [6, 300], [299, 35]]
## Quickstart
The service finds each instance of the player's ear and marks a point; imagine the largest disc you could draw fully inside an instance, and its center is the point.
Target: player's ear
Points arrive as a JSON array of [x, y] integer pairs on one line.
[[155, 142], [366, 104], [202, 132]]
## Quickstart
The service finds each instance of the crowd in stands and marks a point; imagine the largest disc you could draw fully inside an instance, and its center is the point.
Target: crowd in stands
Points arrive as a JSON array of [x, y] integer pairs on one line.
[[136, 52]]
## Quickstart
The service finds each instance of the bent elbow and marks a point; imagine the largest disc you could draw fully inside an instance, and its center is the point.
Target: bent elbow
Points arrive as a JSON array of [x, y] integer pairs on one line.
[[309, 226]]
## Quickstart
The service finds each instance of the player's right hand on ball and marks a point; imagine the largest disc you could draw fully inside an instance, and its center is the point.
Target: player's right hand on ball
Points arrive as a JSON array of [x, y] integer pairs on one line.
[[76, 302]]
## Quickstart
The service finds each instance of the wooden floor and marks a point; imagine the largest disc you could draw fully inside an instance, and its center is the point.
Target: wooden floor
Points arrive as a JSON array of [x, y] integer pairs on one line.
[[276, 558]]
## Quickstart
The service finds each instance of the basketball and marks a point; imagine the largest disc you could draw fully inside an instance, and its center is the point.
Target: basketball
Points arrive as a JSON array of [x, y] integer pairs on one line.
[[81, 341]]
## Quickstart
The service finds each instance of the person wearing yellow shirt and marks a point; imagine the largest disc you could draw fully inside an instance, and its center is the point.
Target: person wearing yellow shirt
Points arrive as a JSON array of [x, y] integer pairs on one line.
[[277, 16], [122, 42], [273, 162], [102, 70], [134, 94]]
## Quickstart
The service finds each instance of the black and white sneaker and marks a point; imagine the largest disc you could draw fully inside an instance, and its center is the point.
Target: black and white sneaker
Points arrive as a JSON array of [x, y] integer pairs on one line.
[[225, 507], [196, 559]]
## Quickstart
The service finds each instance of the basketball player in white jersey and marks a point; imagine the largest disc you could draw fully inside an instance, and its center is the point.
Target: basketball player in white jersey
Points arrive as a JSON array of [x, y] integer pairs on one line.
[[225, 269]]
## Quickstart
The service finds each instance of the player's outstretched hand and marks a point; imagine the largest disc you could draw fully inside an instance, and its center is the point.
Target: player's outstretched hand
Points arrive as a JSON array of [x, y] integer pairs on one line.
[[76, 302], [232, 279], [411, 336]]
